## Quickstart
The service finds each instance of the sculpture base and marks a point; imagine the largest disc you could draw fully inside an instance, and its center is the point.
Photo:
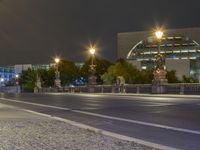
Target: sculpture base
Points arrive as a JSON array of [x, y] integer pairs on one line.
[[91, 83], [159, 86], [159, 82], [92, 80]]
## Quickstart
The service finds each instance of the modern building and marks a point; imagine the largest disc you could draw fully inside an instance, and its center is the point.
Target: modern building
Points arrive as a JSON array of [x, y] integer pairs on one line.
[[180, 48], [8, 73]]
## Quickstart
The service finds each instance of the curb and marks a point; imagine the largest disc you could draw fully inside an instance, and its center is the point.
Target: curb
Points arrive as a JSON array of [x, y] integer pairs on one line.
[[104, 132], [129, 94]]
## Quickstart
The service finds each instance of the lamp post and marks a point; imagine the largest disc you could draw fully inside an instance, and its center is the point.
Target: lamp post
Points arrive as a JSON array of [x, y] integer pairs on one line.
[[17, 83], [92, 77], [57, 73], [159, 81], [2, 82], [92, 52]]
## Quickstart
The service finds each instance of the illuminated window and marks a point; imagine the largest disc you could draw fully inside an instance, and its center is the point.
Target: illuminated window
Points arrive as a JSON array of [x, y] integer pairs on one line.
[[144, 67], [154, 52], [147, 52], [192, 51], [192, 57], [169, 44], [169, 52], [170, 38], [176, 51], [184, 51]]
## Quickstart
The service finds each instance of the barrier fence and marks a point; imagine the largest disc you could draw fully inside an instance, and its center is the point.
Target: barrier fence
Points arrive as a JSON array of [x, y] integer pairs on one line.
[[181, 88]]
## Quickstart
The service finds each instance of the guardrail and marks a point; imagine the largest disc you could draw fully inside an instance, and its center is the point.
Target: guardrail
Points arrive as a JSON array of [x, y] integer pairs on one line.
[[10, 89], [179, 88]]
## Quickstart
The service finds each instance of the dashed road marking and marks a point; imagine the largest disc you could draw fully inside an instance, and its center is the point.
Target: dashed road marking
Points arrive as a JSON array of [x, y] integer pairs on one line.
[[110, 117]]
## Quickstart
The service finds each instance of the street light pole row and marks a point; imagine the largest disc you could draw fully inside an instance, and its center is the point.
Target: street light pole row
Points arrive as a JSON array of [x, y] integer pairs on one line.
[[92, 78]]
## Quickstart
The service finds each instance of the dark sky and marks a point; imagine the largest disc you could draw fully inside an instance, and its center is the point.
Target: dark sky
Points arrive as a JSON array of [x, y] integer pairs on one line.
[[33, 31]]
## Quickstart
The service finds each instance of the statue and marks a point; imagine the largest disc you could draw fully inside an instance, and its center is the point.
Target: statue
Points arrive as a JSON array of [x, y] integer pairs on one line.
[[38, 84]]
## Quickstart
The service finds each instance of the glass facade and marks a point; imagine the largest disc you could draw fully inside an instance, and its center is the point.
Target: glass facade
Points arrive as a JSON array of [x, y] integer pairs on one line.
[[41, 66], [195, 69], [7, 73], [172, 47]]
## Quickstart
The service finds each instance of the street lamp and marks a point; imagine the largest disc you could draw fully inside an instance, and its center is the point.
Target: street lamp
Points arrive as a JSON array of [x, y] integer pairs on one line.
[[2, 81], [57, 73], [17, 83], [92, 52], [17, 79], [159, 34], [16, 76], [159, 81], [57, 60], [92, 78]]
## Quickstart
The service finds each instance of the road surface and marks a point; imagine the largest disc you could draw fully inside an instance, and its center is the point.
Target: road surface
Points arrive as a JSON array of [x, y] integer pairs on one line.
[[173, 122]]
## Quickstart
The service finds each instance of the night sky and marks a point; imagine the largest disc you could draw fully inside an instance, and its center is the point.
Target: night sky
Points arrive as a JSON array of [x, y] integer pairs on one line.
[[33, 31]]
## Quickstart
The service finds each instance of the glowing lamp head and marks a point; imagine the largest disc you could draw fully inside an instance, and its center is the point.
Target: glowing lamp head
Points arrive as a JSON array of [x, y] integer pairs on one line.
[[92, 51], [159, 34], [16, 76], [2, 79], [57, 60]]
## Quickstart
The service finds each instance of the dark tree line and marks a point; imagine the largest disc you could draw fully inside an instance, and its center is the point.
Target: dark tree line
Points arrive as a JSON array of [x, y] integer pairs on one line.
[[106, 73]]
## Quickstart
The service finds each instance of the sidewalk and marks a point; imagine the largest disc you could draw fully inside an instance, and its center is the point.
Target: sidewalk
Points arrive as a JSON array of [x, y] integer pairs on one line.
[[20, 129], [154, 95], [133, 94]]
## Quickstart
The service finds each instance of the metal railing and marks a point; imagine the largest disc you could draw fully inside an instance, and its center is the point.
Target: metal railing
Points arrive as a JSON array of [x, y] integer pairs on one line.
[[178, 88]]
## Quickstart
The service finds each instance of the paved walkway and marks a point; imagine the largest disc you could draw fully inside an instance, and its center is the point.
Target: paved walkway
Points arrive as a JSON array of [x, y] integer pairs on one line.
[[133, 94], [20, 129], [154, 95]]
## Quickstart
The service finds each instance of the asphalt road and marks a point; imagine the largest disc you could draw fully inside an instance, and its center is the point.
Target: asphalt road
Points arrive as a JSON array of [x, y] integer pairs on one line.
[[173, 122]]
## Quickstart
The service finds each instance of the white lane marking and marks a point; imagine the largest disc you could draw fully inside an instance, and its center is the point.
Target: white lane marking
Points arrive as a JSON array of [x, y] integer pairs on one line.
[[150, 104], [36, 104], [104, 132], [140, 122], [110, 117]]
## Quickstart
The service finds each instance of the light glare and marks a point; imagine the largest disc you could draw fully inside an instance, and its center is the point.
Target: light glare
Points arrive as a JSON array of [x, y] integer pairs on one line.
[[92, 51], [159, 34], [57, 60]]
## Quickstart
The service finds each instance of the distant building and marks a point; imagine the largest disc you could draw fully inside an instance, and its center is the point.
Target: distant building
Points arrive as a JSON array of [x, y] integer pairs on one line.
[[79, 64], [8, 73], [179, 46]]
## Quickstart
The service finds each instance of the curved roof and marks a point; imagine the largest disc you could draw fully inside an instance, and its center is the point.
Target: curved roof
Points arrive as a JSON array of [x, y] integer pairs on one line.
[[175, 47]]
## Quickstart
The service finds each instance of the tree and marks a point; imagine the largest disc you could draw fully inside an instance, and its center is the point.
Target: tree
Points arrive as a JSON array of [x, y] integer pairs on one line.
[[121, 68], [189, 80], [145, 77], [69, 72], [28, 80], [171, 77], [101, 67], [47, 77]]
